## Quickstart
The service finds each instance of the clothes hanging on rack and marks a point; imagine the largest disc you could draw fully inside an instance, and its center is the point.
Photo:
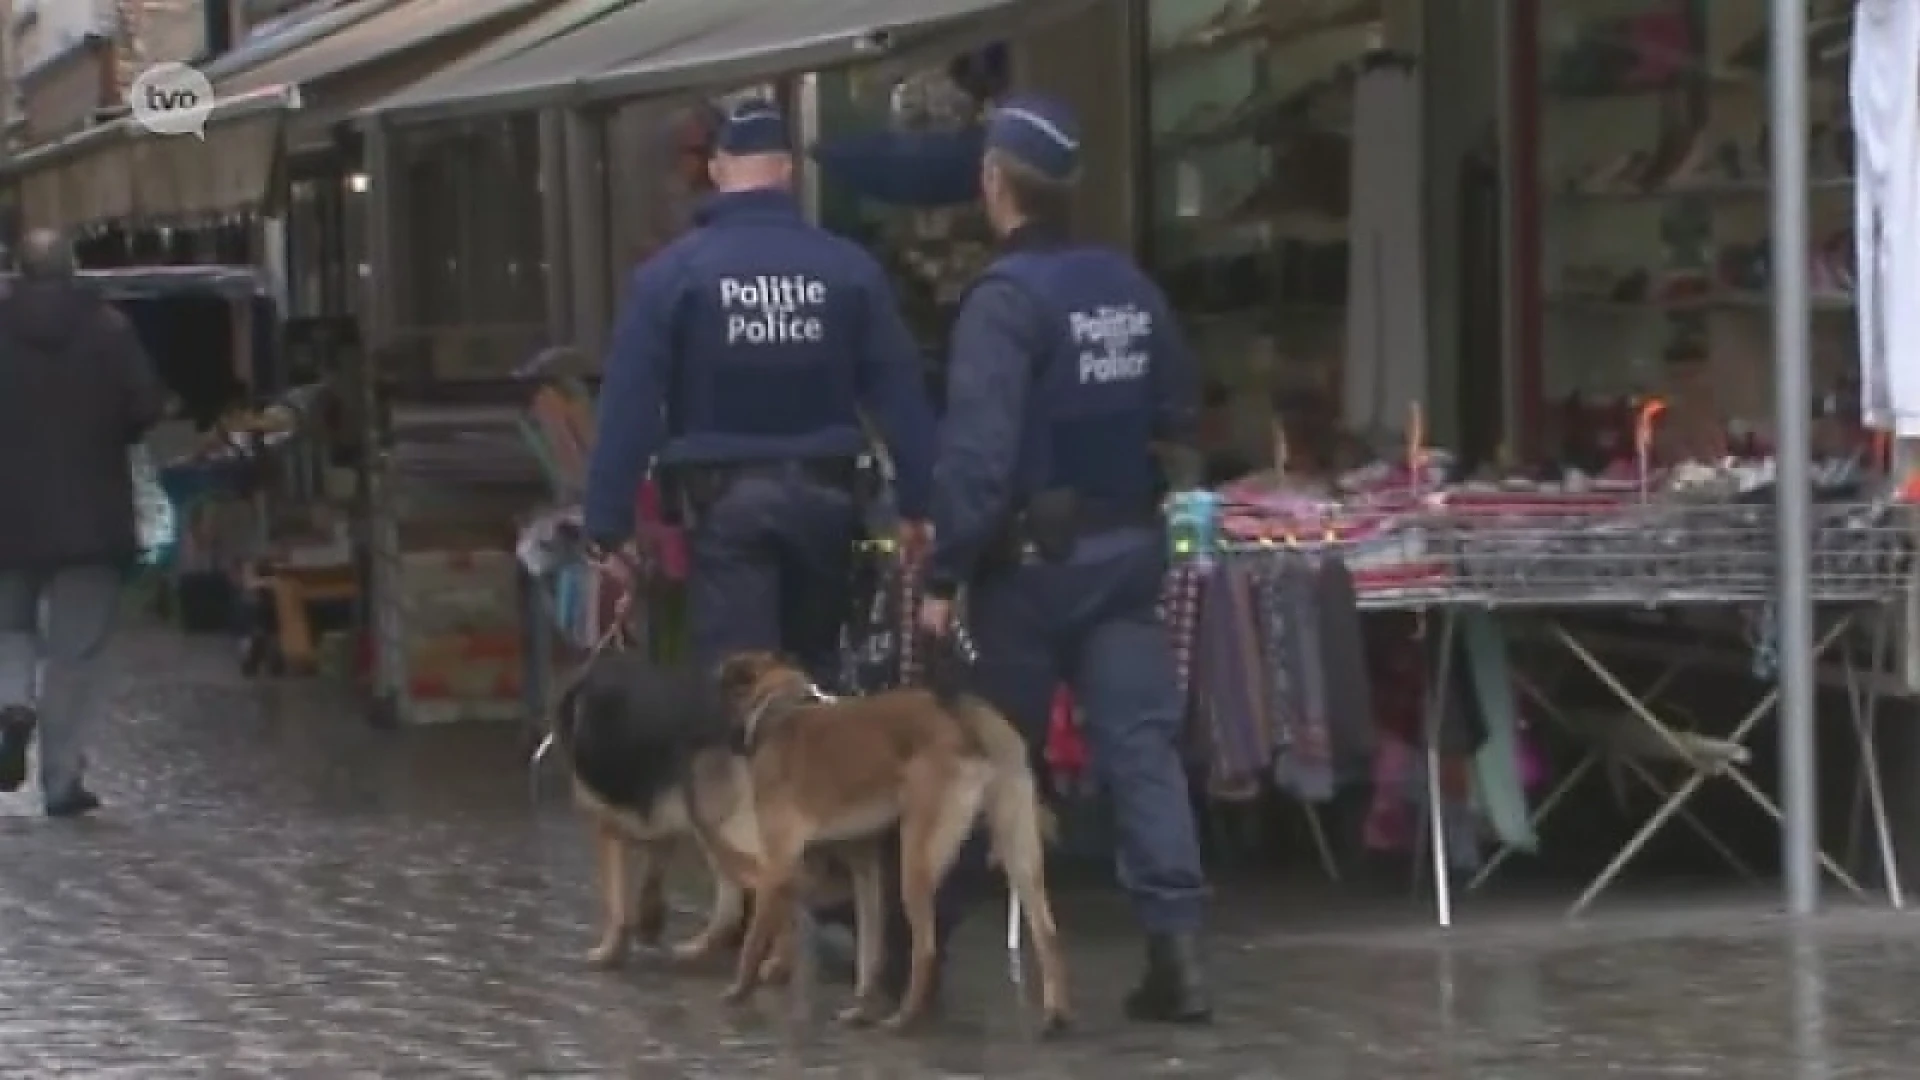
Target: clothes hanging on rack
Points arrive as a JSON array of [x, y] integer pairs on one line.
[[1351, 727], [1180, 611], [1386, 357], [1885, 100], [1289, 625], [1496, 764], [1232, 698]]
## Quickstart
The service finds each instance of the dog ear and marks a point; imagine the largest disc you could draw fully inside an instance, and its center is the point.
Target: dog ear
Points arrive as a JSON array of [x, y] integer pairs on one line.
[[738, 674]]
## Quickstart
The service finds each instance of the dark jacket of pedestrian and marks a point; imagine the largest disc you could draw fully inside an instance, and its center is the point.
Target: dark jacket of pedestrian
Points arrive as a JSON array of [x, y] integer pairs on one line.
[[76, 390]]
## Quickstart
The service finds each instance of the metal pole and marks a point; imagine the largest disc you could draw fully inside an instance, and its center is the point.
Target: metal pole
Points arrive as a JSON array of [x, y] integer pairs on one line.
[[1792, 358]]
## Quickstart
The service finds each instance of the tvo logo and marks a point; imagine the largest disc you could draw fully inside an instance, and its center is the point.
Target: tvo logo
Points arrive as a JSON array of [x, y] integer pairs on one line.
[[171, 99]]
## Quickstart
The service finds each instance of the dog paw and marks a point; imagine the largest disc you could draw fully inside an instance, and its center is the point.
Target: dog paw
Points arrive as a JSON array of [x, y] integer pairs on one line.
[[859, 1014], [736, 993], [776, 972], [607, 955], [1054, 1024], [692, 951], [900, 1022]]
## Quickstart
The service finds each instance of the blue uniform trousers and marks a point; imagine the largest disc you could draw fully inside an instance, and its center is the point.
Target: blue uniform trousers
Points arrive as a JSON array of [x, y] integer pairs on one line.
[[772, 559], [1092, 623]]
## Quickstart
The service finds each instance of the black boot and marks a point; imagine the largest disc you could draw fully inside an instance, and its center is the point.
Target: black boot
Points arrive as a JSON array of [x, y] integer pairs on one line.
[[1173, 990], [16, 734]]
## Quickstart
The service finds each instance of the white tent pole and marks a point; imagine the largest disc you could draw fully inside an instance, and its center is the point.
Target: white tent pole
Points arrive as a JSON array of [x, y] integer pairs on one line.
[[1792, 359]]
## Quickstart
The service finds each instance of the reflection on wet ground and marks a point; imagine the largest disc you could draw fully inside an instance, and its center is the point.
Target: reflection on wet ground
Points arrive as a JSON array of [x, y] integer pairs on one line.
[[277, 891]]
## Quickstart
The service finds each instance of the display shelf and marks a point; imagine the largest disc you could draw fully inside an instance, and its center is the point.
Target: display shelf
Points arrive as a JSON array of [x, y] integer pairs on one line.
[[1735, 189], [1250, 118], [1272, 24], [1727, 301], [1653, 171]]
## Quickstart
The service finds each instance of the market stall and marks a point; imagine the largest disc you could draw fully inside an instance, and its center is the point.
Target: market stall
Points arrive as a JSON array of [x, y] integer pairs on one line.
[[1289, 690]]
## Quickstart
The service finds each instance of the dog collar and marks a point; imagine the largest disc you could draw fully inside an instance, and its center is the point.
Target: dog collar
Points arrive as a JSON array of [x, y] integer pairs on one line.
[[811, 694]]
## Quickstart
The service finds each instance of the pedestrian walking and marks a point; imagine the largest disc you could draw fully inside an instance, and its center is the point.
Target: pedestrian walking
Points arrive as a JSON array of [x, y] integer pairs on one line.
[[76, 390]]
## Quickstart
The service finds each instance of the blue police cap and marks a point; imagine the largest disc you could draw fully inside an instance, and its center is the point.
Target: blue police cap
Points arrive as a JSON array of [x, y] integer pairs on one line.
[[1039, 133], [755, 126]]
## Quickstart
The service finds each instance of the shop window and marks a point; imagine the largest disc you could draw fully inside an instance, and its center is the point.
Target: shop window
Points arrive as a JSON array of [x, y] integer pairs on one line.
[[471, 246], [356, 271], [307, 244], [1250, 156]]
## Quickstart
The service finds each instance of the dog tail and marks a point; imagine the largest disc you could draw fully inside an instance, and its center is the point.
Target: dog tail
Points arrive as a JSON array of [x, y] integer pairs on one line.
[[565, 718], [1019, 824]]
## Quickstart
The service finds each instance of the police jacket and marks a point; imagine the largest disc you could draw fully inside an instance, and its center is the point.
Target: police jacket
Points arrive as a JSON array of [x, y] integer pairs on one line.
[[756, 337], [1065, 367]]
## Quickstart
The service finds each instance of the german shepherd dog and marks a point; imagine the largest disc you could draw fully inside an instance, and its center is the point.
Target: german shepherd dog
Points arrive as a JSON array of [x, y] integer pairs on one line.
[[832, 777], [647, 747]]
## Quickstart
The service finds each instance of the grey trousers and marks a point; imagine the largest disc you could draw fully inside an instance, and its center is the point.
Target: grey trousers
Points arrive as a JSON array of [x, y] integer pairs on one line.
[[60, 619]]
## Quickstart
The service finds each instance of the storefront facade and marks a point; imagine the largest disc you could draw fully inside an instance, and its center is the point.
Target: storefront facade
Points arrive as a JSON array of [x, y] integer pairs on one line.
[[1242, 220]]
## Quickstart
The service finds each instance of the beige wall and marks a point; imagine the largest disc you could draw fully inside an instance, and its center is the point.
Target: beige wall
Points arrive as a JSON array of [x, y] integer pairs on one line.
[[172, 30], [64, 95]]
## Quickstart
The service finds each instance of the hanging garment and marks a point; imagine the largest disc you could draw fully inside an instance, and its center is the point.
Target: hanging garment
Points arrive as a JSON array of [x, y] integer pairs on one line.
[[1496, 765], [1297, 703], [1386, 350], [912, 664], [1343, 653], [1885, 92], [1180, 597], [1462, 730], [1232, 697]]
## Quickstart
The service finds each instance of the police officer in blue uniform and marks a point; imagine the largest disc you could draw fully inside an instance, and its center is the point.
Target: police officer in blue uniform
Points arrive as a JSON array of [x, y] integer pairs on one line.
[[1066, 370], [742, 358]]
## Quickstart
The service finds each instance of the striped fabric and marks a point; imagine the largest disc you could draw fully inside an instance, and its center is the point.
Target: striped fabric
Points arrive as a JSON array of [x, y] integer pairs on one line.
[[1233, 691]]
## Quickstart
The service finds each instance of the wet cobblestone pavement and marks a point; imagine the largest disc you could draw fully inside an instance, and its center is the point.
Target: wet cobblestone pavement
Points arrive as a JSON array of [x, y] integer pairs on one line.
[[277, 891]]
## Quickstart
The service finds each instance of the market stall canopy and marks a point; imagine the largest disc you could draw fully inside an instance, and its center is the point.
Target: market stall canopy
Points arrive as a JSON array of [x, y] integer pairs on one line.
[[564, 19], [758, 41], [396, 29], [116, 171], [613, 50], [370, 57], [291, 32]]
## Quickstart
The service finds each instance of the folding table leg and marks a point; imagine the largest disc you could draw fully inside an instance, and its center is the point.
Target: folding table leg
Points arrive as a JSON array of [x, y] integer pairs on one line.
[[1571, 781], [1686, 816], [1864, 703], [1328, 864], [1436, 808], [1693, 783]]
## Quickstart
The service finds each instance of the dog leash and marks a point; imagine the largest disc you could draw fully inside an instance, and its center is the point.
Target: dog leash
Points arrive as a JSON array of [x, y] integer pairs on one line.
[[616, 631], [969, 653]]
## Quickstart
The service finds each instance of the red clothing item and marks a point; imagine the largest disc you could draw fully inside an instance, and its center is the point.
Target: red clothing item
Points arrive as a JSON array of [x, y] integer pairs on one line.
[[1066, 745], [665, 544]]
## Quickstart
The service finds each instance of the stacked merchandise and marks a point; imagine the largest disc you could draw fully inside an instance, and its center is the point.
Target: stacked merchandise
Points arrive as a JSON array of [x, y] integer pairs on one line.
[[1690, 528], [461, 638], [457, 478]]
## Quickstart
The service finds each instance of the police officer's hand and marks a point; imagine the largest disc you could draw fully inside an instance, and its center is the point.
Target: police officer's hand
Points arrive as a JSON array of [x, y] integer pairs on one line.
[[916, 537], [618, 565], [936, 616]]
